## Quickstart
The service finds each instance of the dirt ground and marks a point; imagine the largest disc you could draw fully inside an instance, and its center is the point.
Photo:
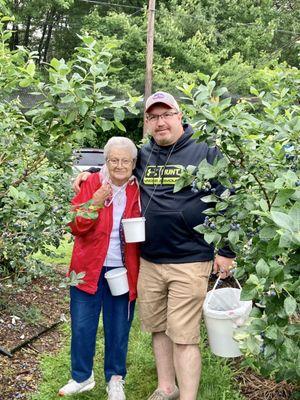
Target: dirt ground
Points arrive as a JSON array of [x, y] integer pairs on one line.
[[27, 311], [24, 314]]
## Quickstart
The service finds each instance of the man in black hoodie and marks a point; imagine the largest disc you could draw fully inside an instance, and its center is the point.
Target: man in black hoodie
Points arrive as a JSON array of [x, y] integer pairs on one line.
[[175, 259]]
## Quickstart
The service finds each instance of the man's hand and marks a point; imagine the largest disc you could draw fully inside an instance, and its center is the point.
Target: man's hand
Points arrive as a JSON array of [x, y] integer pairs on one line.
[[101, 195], [80, 178], [223, 265]]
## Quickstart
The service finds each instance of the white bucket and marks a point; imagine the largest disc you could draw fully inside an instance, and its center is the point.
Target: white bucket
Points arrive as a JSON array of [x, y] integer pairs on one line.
[[117, 281], [134, 229], [223, 313]]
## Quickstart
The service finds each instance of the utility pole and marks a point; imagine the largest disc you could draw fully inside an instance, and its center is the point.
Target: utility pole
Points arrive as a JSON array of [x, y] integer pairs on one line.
[[149, 51]]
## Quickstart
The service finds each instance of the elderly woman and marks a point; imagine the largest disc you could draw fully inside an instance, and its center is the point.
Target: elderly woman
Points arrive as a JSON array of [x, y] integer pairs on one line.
[[103, 200]]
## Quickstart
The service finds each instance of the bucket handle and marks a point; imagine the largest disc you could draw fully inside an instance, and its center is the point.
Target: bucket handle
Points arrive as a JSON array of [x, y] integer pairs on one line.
[[216, 284]]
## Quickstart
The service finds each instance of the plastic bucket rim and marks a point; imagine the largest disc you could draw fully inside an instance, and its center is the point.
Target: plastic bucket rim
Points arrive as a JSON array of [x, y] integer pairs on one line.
[[247, 304], [136, 219], [115, 273]]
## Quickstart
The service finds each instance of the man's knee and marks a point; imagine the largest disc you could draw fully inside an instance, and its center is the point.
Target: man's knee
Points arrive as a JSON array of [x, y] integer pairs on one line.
[[185, 347]]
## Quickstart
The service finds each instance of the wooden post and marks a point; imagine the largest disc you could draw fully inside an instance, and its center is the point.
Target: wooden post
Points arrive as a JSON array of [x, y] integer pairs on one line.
[[149, 51]]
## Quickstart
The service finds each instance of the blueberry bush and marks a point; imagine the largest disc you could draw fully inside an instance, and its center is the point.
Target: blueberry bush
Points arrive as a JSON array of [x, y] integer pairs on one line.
[[36, 145], [258, 214]]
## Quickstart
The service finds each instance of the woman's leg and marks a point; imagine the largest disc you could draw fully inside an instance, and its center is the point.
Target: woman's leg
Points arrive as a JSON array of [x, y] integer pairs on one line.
[[117, 319], [85, 310]]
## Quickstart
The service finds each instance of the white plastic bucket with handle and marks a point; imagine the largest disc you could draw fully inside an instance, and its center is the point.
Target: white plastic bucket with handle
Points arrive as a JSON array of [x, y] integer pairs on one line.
[[134, 229], [117, 281], [223, 313]]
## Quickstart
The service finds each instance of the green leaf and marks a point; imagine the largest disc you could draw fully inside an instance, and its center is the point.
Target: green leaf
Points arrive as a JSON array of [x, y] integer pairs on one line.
[[283, 197], [221, 206], [68, 99], [209, 199], [179, 184], [210, 237], [271, 332], [248, 293], [263, 205], [119, 114], [220, 91], [88, 40], [71, 117], [294, 214], [282, 220], [270, 350], [285, 239], [233, 237], [253, 280], [267, 232], [262, 268], [25, 82], [106, 125], [120, 126], [225, 194], [290, 305], [30, 69], [191, 169], [55, 63], [199, 228], [13, 192], [83, 108]]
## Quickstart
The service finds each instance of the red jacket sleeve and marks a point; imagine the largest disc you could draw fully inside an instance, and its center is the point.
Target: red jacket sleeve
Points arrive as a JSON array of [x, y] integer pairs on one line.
[[81, 225]]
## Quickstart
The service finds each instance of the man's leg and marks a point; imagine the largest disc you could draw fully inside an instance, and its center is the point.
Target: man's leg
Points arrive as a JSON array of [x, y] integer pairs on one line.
[[152, 298], [163, 353], [187, 361], [187, 290]]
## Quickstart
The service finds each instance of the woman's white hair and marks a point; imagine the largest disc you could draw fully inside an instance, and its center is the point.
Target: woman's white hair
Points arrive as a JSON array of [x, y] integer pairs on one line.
[[120, 142]]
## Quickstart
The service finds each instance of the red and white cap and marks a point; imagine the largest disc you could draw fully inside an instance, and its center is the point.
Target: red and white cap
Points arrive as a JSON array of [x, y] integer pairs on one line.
[[162, 97]]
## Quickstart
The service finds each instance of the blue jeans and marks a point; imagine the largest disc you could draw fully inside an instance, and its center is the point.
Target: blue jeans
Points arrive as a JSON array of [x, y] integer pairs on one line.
[[117, 318]]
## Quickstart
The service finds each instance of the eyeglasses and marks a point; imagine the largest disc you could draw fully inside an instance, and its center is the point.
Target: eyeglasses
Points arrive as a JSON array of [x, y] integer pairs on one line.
[[165, 116], [114, 162]]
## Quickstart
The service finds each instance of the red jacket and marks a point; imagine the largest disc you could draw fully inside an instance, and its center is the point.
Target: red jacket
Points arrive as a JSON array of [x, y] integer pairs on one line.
[[92, 237]]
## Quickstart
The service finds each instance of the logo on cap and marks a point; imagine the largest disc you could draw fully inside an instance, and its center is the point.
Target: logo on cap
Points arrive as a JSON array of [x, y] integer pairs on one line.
[[158, 96]]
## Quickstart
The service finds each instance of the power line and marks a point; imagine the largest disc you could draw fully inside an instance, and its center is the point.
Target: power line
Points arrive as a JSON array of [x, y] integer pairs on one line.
[[111, 4], [228, 24]]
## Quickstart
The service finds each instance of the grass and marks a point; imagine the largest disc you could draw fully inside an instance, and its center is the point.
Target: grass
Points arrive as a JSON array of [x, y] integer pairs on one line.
[[61, 255], [216, 381]]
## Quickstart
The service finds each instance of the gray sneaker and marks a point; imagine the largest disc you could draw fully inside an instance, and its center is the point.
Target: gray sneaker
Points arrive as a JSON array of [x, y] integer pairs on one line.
[[115, 389], [161, 395]]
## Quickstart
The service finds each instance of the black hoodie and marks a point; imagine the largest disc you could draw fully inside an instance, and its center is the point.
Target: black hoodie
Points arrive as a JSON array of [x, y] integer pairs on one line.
[[171, 217]]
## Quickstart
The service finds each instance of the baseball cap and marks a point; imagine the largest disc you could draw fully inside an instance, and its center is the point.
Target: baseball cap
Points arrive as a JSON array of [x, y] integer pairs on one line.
[[161, 97]]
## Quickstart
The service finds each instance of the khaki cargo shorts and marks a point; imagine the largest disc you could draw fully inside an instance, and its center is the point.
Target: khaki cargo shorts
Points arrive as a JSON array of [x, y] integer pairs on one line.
[[170, 298]]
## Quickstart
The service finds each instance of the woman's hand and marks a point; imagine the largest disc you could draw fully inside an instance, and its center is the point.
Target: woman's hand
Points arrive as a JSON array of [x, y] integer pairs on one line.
[[101, 195]]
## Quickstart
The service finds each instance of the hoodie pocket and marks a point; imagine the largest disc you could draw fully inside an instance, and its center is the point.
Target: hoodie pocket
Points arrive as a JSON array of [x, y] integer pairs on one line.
[[167, 234]]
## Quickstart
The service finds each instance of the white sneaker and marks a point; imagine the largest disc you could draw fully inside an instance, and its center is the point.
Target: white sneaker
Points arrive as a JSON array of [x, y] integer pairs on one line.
[[73, 387], [115, 389]]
